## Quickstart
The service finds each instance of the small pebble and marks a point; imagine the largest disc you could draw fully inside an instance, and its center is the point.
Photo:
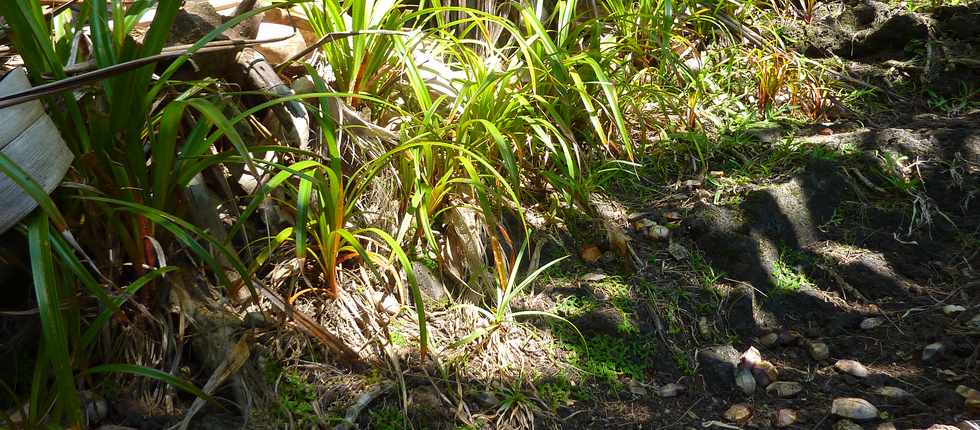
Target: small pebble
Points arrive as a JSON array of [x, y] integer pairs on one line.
[[658, 232], [886, 426], [738, 412], [819, 351], [893, 393], [953, 309], [769, 339], [636, 388], [785, 418], [852, 368], [870, 323], [853, 408], [670, 390], [389, 305], [784, 389], [932, 350], [745, 380]]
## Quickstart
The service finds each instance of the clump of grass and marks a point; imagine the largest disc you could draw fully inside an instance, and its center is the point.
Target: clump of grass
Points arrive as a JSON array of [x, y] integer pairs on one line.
[[787, 276], [560, 103], [387, 418], [556, 391], [893, 168], [296, 397], [606, 357]]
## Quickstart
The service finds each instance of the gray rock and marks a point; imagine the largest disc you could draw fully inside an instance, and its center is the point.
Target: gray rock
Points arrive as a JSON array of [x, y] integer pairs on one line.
[[870, 323], [487, 399], [257, 320], [853, 408], [717, 365], [426, 407], [784, 389], [852, 367], [429, 282]]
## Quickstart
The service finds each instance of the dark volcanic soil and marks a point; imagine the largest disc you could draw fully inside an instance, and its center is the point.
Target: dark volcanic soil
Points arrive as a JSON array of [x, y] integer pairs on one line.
[[888, 233], [867, 251]]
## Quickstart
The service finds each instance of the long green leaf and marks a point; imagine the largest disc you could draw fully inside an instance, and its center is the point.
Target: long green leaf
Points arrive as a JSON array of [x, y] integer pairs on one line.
[[54, 335], [164, 153], [152, 374]]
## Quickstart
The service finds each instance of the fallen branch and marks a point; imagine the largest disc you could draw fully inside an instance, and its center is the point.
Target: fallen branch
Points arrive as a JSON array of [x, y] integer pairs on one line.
[[115, 69]]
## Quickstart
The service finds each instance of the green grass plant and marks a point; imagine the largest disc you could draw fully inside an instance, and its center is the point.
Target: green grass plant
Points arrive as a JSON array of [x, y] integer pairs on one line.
[[492, 109]]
